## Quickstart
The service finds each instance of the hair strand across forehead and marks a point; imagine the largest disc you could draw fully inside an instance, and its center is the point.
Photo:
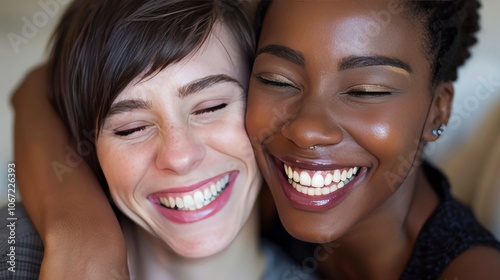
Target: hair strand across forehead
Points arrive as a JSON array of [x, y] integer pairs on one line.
[[100, 47]]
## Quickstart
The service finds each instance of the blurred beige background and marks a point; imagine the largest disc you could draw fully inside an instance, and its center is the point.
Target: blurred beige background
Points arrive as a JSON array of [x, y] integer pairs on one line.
[[469, 151]]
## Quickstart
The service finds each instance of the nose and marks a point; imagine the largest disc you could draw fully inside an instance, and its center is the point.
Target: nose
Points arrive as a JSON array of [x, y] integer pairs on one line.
[[180, 151], [314, 124]]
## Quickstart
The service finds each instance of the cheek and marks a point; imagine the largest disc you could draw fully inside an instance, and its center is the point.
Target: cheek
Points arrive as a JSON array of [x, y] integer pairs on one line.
[[123, 166], [228, 137], [391, 137], [264, 117]]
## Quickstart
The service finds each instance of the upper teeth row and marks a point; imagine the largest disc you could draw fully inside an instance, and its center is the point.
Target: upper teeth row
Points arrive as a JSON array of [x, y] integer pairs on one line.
[[320, 178], [198, 199]]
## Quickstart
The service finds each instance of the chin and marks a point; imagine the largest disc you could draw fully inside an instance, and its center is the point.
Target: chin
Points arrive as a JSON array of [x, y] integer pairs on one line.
[[201, 246]]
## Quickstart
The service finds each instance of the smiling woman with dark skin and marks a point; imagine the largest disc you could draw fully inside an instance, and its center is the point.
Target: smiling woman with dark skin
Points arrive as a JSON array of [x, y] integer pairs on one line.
[[361, 87]]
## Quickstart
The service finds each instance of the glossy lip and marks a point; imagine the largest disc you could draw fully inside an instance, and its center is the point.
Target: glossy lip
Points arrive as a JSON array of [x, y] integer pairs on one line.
[[320, 202], [188, 216]]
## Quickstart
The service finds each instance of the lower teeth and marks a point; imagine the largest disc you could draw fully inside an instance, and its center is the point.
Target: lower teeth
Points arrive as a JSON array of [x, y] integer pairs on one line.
[[347, 181]]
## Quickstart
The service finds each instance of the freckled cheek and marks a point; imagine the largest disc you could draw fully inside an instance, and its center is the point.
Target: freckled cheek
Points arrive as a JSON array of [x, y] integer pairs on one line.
[[230, 138], [122, 166]]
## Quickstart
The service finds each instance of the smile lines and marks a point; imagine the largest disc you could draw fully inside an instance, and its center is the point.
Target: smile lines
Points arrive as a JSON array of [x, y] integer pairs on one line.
[[199, 199], [319, 182]]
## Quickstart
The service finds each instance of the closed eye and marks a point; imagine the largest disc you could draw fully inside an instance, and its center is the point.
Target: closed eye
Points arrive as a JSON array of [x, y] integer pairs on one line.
[[273, 83], [128, 132], [210, 109], [361, 93]]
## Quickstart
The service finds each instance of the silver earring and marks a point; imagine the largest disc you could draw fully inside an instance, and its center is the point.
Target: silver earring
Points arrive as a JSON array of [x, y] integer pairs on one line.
[[439, 131]]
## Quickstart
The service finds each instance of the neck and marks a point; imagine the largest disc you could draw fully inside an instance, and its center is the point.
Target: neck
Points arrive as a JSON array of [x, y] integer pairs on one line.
[[149, 259], [380, 246]]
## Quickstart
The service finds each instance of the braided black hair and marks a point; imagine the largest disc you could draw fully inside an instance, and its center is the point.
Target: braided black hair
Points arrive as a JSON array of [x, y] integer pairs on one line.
[[450, 30]]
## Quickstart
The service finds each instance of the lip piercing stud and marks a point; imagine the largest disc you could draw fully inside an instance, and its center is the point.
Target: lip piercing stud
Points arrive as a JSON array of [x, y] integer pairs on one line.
[[439, 131], [313, 147]]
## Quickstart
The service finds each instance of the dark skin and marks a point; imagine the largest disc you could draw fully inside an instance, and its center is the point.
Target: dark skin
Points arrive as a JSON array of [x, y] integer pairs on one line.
[[363, 102]]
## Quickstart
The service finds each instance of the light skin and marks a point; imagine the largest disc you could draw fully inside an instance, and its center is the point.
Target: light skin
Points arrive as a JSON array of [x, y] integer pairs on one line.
[[172, 135], [182, 127], [368, 108]]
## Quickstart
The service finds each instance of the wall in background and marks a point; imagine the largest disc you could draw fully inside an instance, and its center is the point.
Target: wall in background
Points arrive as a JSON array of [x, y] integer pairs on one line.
[[25, 28]]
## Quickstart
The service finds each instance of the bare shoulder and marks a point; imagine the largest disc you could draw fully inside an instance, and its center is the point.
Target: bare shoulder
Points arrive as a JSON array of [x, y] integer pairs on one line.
[[479, 262]]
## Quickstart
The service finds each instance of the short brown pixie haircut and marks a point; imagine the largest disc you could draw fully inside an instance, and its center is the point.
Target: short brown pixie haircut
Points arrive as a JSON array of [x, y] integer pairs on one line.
[[100, 47]]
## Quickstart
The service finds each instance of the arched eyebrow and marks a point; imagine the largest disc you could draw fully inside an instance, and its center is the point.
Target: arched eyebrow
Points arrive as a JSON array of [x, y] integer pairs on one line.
[[205, 82], [350, 62], [128, 105], [285, 53], [375, 60]]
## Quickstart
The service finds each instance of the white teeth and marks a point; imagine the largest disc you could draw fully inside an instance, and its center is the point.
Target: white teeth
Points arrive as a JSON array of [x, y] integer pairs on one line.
[[198, 199], [328, 179], [171, 202], [305, 179], [207, 194], [336, 176], [305, 190], [321, 182], [317, 180], [296, 176], [164, 201], [310, 191], [188, 201], [317, 191], [179, 203], [288, 171]]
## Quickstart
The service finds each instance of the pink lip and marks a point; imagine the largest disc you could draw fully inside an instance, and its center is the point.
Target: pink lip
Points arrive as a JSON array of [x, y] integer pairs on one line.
[[185, 217], [315, 203]]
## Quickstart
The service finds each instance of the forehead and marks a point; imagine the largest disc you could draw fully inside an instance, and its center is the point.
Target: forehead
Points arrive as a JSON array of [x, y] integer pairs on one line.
[[344, 28], [219, 54]]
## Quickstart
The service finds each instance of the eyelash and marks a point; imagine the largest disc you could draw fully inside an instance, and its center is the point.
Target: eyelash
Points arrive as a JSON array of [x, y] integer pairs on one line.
[[272, 83], [127, 132], [356, 93], [360, 93], [211, 109]]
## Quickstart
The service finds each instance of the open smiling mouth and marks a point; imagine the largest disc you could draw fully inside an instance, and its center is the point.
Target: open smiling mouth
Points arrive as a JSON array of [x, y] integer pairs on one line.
[[197, 200], [316, 183]]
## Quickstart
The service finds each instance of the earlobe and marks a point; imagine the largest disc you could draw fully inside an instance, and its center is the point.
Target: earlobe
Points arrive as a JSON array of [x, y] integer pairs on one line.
[[439, 112]]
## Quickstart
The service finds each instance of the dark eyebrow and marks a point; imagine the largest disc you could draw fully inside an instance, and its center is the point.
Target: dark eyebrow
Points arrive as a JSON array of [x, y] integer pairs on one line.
[[365, 61], [206, 82], [285, 53], [128, 105]]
